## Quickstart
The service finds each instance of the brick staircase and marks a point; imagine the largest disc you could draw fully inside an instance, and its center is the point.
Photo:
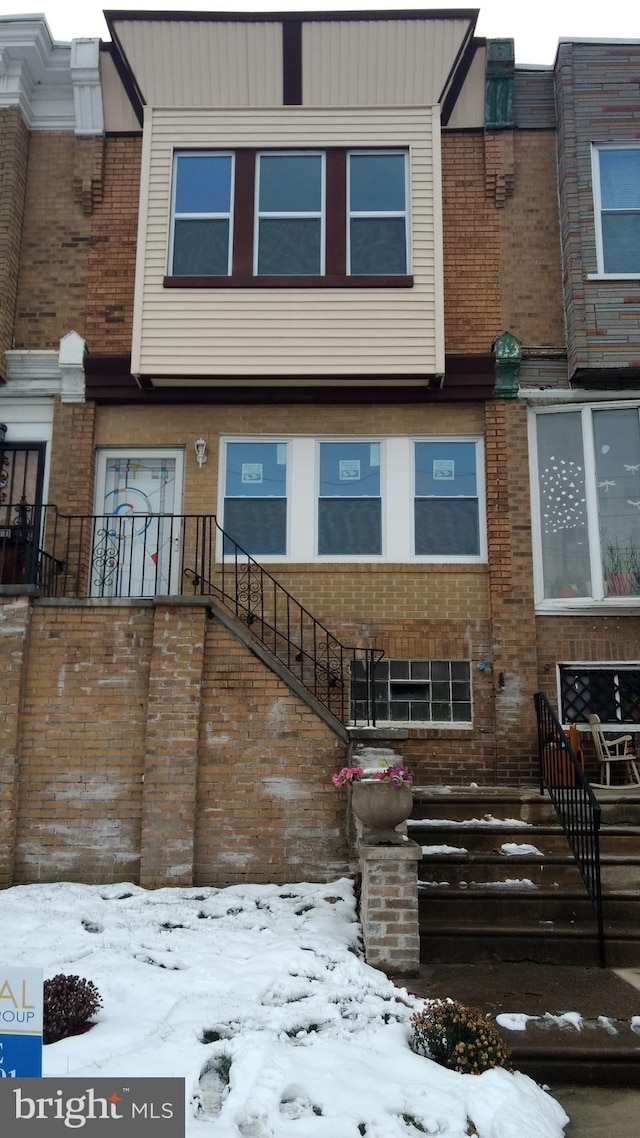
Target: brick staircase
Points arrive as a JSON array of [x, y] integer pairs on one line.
[[478, 903]]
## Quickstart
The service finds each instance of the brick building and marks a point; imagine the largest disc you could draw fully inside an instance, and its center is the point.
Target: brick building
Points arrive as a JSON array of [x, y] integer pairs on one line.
[[290, 293]]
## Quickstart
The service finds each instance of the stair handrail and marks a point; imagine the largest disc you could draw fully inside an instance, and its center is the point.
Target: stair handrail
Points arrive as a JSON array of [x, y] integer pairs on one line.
[[304, 645], [137, 554], [577, 807]]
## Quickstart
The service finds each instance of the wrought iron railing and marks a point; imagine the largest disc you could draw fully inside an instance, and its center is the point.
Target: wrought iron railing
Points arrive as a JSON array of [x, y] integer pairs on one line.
[[146, 555], [576, 805]]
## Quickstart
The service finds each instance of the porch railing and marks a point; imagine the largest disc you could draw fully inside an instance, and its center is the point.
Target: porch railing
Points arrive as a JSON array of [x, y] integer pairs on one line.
[[146, 555], [575, 803]]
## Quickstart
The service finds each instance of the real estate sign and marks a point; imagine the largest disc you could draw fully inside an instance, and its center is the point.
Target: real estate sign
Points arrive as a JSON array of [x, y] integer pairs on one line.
[[20, 1022]]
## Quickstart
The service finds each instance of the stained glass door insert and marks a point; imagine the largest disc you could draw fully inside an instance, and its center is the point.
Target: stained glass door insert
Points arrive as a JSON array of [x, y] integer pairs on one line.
[[137, 538]]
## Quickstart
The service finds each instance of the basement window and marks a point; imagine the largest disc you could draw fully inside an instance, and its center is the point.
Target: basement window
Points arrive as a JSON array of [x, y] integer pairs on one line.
[[433, 692]]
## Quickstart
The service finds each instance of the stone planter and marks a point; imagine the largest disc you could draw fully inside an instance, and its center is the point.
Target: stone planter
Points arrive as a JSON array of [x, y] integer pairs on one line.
[[380, 807]]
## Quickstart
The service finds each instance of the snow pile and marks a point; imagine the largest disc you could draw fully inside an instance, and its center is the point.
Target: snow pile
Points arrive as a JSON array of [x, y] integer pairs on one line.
[[518, 849], [259, 998], [486, 820]]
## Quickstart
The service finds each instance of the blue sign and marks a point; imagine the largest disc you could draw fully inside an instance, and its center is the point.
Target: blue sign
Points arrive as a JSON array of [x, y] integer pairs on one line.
[[20, 1056], [21, 1022]]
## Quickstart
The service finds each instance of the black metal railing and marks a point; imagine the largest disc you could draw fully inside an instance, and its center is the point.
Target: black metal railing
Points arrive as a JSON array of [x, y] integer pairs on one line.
[[576, 805], [147, 555]]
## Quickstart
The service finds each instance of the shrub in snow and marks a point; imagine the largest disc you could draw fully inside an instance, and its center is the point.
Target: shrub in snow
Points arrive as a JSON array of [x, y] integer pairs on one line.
[[461, 1038], [69, 1003]]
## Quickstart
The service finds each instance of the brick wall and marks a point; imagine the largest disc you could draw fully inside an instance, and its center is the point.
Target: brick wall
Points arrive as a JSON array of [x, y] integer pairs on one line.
[[471, 247], [14, 149], [154, 747], [112, 254], [56, 236], [267, 810], [15, 615], [82, 739], [530, 270], [511, 588]]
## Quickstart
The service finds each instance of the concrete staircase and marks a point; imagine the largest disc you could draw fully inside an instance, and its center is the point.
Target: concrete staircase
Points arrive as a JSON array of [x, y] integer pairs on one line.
[[482, 897]]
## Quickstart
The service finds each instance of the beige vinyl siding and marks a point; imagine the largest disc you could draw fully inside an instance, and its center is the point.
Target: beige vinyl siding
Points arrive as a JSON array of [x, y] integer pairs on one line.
[[469, 108], [118, 112], [378, 63], [190, 63], [287, 332]]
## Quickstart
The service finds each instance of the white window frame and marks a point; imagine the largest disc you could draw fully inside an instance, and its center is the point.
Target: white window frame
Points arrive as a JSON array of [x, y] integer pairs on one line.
[[596, 149], [289, 215], [405, 213], [595, 666], [457, 558], [206, 216], [397, 490], [597, 598]]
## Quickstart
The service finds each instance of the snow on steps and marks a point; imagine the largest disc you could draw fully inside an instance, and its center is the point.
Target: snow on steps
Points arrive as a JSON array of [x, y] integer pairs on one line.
[[482, 896]]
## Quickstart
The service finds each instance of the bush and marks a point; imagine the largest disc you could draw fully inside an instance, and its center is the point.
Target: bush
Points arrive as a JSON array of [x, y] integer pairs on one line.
[[461, 1038], [69, 1003]]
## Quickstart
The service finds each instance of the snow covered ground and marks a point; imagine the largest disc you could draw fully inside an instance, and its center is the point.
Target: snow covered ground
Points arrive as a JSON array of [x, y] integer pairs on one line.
[[258, 996]]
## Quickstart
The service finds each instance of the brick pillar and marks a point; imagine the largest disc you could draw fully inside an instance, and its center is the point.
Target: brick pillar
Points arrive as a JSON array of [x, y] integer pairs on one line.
[[15, 617], [171, 748], [389, 907], [511, 589]]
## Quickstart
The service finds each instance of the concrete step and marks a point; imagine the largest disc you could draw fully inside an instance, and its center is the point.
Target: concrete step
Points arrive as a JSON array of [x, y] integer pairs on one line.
[[619, 805], [547, 838], [470, 941], [602, 1050], [557, 869], [542, 906]]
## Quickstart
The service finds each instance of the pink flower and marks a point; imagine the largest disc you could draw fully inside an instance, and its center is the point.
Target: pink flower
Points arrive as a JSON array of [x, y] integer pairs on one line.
[[346, 775], [396, 775]]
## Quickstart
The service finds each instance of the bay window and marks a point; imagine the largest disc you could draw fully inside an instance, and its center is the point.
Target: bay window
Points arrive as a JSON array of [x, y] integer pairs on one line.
[[279, 218]]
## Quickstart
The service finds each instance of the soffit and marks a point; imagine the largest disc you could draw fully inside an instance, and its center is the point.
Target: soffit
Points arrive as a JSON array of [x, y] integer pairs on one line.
[[188, 60]]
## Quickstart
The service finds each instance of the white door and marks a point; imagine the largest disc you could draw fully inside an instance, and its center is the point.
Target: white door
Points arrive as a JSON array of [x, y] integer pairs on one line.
[[137, 536]]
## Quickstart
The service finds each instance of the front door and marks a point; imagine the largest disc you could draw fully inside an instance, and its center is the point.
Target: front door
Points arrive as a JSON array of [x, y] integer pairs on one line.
[[137, 535], [21, 480]]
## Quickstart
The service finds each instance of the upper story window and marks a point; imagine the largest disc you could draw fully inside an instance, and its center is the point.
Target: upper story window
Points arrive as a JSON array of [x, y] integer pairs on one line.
[[202, 199], [290, 215], [588, 504], [616, 184], [304, 499], [377, 213], [332, 218]]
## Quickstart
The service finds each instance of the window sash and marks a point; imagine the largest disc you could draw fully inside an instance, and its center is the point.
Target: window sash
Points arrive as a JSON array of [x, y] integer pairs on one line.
[[617, 221], [355, 215], [194, 216], [284, 215]]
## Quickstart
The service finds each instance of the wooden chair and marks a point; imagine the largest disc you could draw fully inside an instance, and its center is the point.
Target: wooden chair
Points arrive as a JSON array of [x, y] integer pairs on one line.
[[612, 751]]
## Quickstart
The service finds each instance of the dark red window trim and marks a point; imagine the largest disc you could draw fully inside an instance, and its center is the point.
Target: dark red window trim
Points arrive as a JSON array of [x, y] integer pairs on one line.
[[242, 275]]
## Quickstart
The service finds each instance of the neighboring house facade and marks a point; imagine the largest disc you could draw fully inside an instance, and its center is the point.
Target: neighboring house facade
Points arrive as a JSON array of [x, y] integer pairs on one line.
[[585, 443], [319, 278]]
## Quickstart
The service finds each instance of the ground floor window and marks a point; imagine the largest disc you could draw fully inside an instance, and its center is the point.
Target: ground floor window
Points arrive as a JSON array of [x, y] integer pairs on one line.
[[435, 692], [354, 499], [611, 691], [588, 503]]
